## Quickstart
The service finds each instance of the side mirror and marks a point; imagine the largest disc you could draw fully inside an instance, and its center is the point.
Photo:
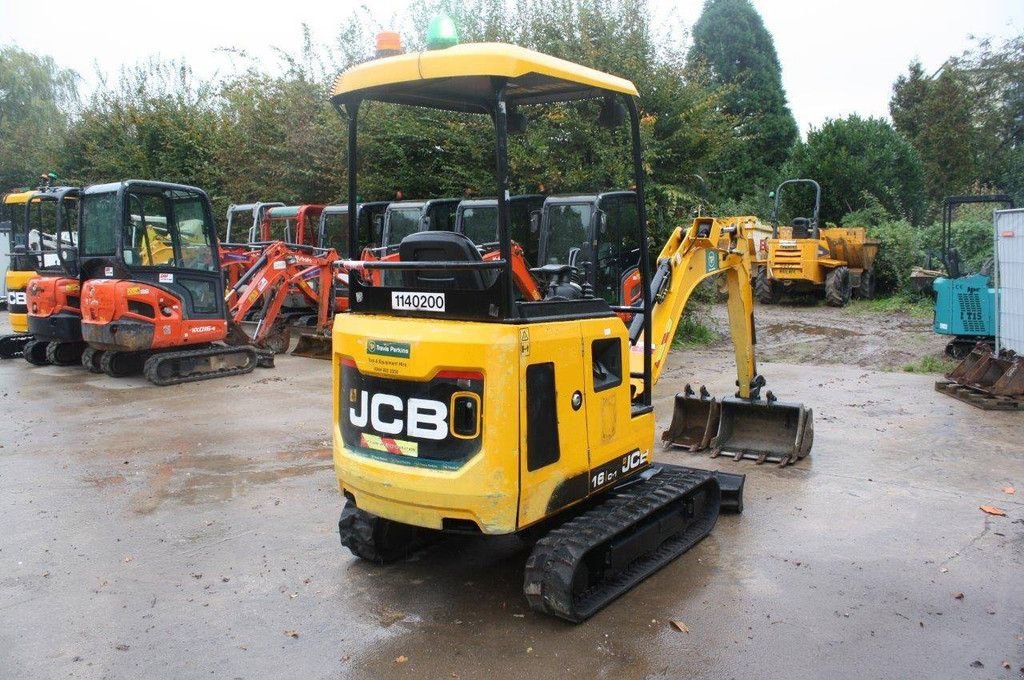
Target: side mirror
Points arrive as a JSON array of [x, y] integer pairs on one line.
[[600, 221], [612, 114], [516, 123], [534, 221]]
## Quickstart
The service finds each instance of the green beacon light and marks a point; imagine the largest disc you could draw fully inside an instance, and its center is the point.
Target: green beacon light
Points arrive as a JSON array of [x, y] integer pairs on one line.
[[441, 33]]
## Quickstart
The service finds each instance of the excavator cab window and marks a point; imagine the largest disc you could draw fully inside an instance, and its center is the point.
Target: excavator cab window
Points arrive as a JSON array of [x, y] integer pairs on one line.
[[166, 230], [441, 216], [399, 223], [336, 231], [618, 247], [567, 230], [99, 211], [282, 230], [479, 223]]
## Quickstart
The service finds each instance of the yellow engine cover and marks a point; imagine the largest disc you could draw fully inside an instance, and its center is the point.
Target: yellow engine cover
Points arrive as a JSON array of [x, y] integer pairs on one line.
[[440, 422]]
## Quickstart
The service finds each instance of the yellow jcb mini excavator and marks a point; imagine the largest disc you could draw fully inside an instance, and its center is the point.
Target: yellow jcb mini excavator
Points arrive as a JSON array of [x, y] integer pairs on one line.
[[21, 269], [462, 407]]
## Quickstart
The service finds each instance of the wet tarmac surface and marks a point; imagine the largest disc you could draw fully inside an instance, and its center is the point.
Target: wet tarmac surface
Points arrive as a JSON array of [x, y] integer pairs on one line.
[[191, 532]]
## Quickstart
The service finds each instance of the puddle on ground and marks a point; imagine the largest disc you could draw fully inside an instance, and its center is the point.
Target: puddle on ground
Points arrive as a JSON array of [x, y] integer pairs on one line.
[[191, 479], [784, 330]]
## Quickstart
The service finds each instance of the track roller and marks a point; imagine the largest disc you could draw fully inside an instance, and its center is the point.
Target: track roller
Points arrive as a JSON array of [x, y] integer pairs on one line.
[[91, 359], [121, 364], [35, 353], [64, 353]]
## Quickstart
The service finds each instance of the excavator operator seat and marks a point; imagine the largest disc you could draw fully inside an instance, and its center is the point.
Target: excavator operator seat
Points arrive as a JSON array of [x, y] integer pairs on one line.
[[801, 227], [442, 246]]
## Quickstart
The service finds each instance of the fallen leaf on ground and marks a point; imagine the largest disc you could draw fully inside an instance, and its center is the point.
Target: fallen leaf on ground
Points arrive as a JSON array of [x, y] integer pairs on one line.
[[121, 647], [401, 659], [1006, 664], [943, 570], [680, 626], [1009, 490], [292, 633], [992, 510], [958, 596]]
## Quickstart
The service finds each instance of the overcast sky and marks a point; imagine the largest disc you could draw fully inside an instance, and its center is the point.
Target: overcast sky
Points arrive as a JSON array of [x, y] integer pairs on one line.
[[838, 57]]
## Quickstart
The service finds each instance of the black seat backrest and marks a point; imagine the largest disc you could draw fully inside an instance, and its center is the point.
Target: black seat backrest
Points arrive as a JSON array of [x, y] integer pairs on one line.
[[442, 246], [801, 227]]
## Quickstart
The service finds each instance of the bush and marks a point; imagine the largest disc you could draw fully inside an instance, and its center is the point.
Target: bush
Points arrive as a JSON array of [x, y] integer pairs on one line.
[[899, 252]]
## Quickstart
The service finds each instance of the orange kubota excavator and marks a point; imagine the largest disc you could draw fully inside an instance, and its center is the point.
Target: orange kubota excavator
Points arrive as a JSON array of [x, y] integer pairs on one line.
[[53, 297], [165, 316]]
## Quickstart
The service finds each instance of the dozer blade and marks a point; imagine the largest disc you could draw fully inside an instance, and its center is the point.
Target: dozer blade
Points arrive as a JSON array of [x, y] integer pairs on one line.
[[775, 431], [694, 423], [313, 346]]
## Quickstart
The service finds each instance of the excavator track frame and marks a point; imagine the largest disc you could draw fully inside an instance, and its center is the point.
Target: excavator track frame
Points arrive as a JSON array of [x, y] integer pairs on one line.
[[636, 529], [154, 365]]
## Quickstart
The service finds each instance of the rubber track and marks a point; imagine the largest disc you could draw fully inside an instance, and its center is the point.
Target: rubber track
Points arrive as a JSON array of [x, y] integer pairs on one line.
[[64, 353], [553, 564], [91, 359], [151, 368], [34, 352], [11, 346], [379, 540]]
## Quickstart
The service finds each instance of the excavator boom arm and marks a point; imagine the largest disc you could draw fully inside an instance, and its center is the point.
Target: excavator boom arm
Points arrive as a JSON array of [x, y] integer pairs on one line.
[[710, 246]]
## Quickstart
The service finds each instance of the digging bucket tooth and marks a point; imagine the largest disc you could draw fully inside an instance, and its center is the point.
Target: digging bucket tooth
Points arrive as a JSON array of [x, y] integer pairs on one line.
[[313, 347], [694, 423], [775, 431]]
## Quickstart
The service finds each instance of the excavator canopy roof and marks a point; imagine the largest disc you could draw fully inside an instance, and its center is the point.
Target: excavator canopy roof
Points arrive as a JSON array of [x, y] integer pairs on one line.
[[459, 78]]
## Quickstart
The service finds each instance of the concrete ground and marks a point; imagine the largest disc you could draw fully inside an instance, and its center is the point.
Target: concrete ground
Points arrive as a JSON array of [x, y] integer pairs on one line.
[[191, 532]]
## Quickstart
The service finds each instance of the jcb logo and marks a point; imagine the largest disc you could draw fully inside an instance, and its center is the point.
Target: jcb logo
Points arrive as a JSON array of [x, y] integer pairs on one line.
[[16, 297], [388, 414], [633, 460]]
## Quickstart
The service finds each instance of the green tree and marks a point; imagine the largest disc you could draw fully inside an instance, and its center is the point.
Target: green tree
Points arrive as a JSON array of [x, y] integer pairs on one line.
[[36, 99], [935, 115], [995, 78], [731, 40], [157, 123], [859, 163]]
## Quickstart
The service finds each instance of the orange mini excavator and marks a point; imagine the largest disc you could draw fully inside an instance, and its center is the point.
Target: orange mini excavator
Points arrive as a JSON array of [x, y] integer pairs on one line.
[[52, 298], [164, 315]]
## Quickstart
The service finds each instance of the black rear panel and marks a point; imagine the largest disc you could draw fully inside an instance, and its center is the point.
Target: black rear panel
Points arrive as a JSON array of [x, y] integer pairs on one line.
[[434, 423]]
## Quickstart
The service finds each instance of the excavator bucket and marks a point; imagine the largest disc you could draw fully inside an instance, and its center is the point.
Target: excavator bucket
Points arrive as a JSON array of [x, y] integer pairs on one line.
[[313, 347], [987, 380], [775, 431], [694, 422], [979, 356]]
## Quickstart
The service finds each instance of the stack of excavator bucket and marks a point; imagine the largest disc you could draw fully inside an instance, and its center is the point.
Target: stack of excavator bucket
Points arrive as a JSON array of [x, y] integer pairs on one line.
[[987, 380]]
